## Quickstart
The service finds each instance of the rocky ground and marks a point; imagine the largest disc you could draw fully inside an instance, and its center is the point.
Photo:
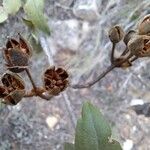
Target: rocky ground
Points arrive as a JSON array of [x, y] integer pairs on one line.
[[79, 39]]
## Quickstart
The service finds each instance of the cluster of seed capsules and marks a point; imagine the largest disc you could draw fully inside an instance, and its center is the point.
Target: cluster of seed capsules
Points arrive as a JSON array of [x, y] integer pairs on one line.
[[137, 43], [17, 54]]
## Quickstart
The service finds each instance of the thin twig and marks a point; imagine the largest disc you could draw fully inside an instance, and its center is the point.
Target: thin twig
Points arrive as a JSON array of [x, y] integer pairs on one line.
[[91, 83], [101, 76], [36, 91], [112, 52], [31, 79]]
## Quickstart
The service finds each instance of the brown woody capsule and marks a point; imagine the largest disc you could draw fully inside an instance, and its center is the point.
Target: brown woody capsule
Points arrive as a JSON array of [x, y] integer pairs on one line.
[[116, 34], [144, 26], [128, 36], [140, 46], [17, 54], [55, 80], [15, 88]]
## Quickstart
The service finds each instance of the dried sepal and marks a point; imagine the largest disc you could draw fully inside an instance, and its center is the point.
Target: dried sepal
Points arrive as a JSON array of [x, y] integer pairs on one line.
[[14, 88], [3, 91], [55, 80], [144, 26], [11, 43], [116, 34], [25, 46], [130, 34], [16, 54], [140, 46], [14, 97]]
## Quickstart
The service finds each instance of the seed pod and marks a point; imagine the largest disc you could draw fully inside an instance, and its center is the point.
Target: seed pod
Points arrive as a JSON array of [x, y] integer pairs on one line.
[[128, 36], [16, 54], [16, 60], [14, 87], [116, 34], [55, 80], [140, 46], [144, 26]]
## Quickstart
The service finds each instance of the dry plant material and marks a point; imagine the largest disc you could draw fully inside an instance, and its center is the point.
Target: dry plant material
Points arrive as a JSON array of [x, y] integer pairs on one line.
[[128, 36], [144, 26], [137, 45], [55, 80], [13, 88], [116, 34], [17, 54]]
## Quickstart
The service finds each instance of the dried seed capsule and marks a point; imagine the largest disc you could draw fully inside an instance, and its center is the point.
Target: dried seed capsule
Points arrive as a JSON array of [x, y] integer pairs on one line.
[[140, 46], [14, 87], [116, 34], [16, 60], [55, 80], [17, 54], [128, 36], [144, 26]]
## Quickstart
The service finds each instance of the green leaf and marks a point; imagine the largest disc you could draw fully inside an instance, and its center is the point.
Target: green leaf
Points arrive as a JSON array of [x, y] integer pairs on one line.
[[3, 15], [68, 146], [114, 145], [33, 30], [92, 131], [34, 11], [28, 23], [11, 6]]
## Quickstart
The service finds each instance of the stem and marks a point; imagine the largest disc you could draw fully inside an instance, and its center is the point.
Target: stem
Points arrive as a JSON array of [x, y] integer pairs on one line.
[[46, 97], [38, 93], [133, 59], [112, 52], [30, 94], [125, 52], [101, 76], [91, 83], [31, 79]]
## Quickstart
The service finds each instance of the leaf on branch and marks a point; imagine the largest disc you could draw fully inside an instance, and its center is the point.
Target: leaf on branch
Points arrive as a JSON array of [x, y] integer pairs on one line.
[[12, 6], [32, 29], [93, 131], [34, 11], [69, 146], [3, 15]]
